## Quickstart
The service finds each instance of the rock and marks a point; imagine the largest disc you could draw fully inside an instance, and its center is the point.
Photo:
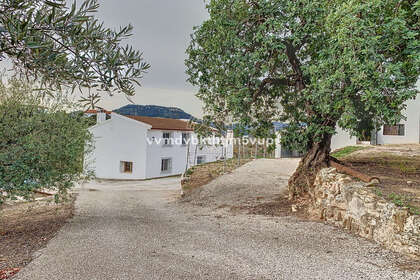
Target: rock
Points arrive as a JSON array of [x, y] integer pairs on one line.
[[373, 183], [294, 208], [350, 205]]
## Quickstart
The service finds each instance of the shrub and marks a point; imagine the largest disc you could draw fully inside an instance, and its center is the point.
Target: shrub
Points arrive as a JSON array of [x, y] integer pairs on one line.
[[42, 145]]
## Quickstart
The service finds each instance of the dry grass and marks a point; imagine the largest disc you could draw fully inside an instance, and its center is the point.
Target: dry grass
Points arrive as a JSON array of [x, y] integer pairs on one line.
[[341, 153], [398, 171], [203, 174]]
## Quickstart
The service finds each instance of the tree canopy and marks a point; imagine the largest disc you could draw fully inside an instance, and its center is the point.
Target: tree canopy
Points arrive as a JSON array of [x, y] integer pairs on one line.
[[314, 64], [59, 45], [41, 145]]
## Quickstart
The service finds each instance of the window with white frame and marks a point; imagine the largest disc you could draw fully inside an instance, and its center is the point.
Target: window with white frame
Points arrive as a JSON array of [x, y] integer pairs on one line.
[[166, 138], [126, 167], [185, 138], [201, 159], [166, 165]]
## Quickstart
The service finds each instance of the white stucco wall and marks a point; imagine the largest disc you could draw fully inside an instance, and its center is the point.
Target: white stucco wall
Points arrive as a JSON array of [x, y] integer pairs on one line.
[[277, 151], [157, 151], [412, 126], [342, 139], [177, 153], [115, 140], [229, 147], [123, 139], [210, 152]]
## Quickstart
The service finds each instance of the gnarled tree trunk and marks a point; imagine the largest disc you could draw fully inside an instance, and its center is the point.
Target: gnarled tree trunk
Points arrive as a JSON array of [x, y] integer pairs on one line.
[[315, 159]]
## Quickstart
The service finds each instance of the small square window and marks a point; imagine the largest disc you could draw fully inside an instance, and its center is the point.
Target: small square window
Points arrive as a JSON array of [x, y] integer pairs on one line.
[[166, 165], [185, 138], [126, 166], [166, 138], [201, 159]]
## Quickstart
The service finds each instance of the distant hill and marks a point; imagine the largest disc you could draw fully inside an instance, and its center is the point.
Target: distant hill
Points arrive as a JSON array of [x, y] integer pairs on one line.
[[170, 113], [279, 126], [153, 111]]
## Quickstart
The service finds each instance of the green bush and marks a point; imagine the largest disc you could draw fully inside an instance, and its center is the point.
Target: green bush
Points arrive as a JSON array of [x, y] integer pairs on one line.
[[42, 145]]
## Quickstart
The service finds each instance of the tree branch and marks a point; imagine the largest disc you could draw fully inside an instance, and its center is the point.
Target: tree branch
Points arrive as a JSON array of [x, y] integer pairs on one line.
[[271, 82]]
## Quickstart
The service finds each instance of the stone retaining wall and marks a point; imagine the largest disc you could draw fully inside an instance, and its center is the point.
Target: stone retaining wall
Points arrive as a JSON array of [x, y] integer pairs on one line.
[[341, 201]]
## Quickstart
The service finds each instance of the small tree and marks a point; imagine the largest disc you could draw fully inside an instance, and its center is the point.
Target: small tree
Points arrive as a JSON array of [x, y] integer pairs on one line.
[[314, 64], [41, 145], [66, 46]]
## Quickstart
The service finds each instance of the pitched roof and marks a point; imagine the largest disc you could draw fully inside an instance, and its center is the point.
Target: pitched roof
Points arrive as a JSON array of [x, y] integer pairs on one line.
[[162, 123], [93, 111]]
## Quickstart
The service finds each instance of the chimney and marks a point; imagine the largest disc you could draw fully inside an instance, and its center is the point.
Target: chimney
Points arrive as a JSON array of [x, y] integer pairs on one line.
[[229, 134], [100, 116]]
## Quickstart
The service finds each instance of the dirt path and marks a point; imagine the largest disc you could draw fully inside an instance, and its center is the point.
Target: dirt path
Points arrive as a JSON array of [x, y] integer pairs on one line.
[[254, 183], [140, 230]]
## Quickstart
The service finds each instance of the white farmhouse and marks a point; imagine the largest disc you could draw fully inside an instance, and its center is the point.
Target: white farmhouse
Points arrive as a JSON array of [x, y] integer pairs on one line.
[[406, 132], [134, 147]]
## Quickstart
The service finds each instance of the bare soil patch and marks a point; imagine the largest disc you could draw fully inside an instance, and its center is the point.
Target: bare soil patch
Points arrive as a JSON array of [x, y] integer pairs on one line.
[[398, 168], [280, 206], [27, 227]]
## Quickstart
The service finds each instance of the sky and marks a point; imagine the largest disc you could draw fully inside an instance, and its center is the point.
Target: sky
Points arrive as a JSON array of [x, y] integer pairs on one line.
[[162, 31]]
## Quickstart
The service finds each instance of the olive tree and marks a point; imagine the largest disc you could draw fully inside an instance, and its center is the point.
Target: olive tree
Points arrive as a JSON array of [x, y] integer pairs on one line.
[[42, 145], [66, 46], [314, 64]]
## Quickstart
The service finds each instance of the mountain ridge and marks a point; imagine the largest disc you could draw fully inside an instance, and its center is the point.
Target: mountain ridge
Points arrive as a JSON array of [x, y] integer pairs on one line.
[[154, 111]]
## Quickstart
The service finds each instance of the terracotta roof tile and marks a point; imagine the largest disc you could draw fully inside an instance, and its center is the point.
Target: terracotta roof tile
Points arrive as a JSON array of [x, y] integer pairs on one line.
[[93, 111], [163, 124]]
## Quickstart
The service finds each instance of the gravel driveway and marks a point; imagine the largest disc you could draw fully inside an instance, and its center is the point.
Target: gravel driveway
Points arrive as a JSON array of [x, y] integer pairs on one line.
[[140, 230]]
